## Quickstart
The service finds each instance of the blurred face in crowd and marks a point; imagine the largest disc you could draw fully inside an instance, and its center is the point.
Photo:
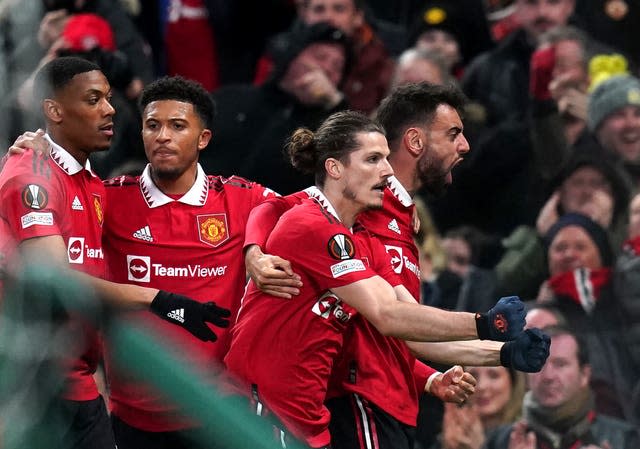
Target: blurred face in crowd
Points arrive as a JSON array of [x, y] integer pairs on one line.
[[561, 378], [538, 16], [620, 133], [366, 173], [442, 42], [540, 318], [458, 254], [634, 217], [299, 80], [342, 14], [572, 248], [81, 114], [570, 65], [493, 390], [173, 136], [444, 147], [578, 189], [415, 69]]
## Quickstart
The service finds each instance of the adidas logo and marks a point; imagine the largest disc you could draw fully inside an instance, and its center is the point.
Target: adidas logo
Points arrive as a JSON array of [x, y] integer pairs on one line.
[[144, 234], [76, 204], [393, 225], [177, 315]]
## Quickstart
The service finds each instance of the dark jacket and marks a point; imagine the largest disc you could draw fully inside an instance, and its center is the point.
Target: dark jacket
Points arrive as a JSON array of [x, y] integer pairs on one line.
[[250, 133], [491, 185]]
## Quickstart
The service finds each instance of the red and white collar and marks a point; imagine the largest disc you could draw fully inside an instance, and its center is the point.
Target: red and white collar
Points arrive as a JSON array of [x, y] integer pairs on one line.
[[400, 192], [196, 196], [64, 160], [316, 194]]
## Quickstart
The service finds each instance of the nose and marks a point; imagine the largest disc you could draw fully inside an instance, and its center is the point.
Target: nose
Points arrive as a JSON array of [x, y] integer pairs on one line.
[[387, 169], [108, 109], [463, 144], [163, 134]]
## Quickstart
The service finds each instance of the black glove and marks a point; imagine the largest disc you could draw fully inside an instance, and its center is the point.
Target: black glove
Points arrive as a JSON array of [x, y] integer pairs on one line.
[[190, 314], [526, 353], [503, 322]]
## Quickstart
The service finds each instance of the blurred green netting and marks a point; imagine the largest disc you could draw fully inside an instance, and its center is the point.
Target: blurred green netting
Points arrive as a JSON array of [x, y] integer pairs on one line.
[[34, 335]]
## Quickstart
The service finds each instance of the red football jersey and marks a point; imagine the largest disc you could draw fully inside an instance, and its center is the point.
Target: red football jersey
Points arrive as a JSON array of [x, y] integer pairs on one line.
[[286, 348], [191, 246], [381, 369], [395, 381], [57, 196]]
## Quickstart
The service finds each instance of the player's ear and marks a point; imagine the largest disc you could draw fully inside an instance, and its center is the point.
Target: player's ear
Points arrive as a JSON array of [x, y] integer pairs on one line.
[[204, 139], [333, 168], [52, 110], [414, 141]]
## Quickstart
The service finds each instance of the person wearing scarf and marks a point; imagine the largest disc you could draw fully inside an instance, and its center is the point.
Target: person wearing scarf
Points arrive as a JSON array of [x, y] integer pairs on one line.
[[580, 261], [559, 410]]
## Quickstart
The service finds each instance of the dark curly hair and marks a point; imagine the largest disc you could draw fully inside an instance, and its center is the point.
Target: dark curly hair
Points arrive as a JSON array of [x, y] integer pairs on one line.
[[180, 89]]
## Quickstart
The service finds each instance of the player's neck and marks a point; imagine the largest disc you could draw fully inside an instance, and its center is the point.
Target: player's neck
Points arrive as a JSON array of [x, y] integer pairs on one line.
[[346, 209], [409, 181], [79, 155], [174, 186]]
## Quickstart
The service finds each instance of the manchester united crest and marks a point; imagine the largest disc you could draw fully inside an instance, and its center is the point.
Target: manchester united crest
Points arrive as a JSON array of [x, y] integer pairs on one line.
[[97, 205], [213, 229]]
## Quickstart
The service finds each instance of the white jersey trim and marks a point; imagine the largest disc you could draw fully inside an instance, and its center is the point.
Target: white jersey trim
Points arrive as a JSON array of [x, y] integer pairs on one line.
[[196, 196]]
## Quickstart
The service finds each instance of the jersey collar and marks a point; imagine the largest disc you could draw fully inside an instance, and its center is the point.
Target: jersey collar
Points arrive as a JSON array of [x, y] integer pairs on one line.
[[196, 196], [64, 160], [316, 194], [400, 192]]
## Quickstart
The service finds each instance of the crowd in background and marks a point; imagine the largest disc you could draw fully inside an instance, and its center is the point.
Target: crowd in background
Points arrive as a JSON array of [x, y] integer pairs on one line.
[[545, 205]]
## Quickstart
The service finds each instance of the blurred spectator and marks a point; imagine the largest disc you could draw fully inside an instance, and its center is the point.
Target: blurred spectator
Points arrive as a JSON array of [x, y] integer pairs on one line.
[[464, 285], [559, 411], [497, 401], [496, 176], [543, 316], [370, 73], [217, 42], [416, 65], [627, 290], [580, 261], [128, 39], [255, 121], [588, 185], [457, 30], [614, 118], [558, 87]]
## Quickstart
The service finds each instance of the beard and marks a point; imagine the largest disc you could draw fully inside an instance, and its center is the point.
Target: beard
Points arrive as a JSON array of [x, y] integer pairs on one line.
[[433, 178], [167, 174], [348, 193]]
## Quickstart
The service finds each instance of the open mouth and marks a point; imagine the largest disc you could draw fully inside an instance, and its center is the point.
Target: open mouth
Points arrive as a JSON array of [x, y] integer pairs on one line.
[[107, 129]]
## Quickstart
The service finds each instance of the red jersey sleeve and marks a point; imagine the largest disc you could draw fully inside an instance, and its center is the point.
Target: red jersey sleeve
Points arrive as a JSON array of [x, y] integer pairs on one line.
[[31, 203], [421, 373], [263, 218], [319, 245]]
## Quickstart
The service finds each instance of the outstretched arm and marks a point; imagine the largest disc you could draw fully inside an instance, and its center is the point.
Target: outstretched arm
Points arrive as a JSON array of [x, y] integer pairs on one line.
[[194, 317], [378, 303]]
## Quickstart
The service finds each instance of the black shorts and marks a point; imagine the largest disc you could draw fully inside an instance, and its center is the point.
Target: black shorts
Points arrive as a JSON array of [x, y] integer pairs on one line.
[[129, 437], [89, 425], [358, 424]]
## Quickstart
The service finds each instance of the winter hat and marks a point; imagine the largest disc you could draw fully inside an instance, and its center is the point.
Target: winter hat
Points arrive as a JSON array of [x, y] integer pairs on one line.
[[83, 32], [594, 230], [465, 20], [610, 95]]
